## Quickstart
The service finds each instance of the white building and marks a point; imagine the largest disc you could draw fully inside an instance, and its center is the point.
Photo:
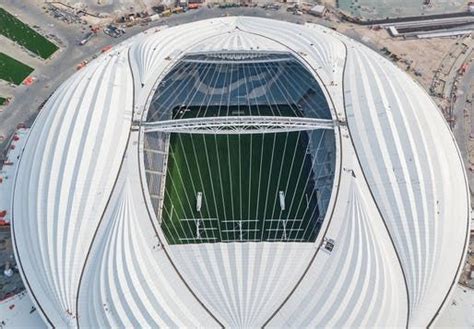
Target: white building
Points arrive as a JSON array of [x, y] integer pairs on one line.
[[318, 10], [87, 209]]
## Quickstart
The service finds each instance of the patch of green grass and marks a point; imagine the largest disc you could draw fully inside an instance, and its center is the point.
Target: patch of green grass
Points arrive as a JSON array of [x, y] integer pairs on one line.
[[2, 101], [12, 70], [16, 30], [240, 177]]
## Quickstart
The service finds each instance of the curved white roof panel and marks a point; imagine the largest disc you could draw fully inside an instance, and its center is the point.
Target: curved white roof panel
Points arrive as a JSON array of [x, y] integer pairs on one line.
[[109, 231]]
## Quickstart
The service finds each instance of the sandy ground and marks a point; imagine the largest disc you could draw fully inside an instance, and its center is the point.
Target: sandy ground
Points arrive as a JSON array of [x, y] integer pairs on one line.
[[379, 9], [112, 6], [421, 55]]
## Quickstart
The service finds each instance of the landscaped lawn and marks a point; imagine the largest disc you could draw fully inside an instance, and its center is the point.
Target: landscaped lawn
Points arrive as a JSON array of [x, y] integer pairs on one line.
[[12, 70], [16, 30]]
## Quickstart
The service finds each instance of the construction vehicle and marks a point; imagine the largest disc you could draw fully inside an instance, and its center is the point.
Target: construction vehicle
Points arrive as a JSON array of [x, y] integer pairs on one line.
[[81, 65], [463, 68], [166, 13], [86, 39]]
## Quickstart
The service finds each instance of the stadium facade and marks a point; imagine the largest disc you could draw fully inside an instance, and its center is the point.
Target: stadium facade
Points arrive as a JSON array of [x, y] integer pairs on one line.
[[240, 172]]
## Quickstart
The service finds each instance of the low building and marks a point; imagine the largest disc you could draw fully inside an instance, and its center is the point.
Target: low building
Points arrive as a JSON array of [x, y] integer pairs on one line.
[[318, 10], [470, 7]]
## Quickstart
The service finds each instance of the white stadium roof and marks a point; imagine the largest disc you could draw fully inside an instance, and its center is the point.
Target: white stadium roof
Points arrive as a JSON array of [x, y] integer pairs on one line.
[[91, 249]]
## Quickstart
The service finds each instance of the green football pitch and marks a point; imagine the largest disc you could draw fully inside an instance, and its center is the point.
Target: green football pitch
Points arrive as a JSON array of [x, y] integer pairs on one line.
[[239, 178]]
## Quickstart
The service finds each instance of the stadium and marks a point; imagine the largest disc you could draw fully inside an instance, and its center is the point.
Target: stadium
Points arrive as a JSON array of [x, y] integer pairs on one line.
[[240, 172]]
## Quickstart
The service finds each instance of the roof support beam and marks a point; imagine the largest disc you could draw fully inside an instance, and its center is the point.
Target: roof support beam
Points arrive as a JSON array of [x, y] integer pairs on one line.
[[238, 125]]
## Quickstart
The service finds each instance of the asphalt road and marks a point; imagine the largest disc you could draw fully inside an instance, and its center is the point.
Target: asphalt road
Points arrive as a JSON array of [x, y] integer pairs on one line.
[[50, 73]]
